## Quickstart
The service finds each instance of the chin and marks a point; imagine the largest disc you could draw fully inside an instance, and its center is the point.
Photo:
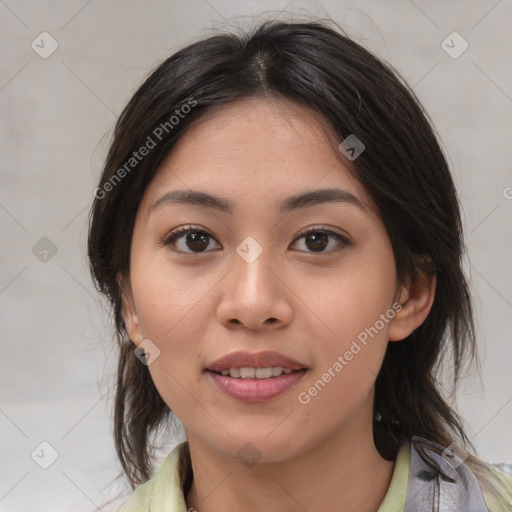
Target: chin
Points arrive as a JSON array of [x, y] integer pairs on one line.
[[253, 449]]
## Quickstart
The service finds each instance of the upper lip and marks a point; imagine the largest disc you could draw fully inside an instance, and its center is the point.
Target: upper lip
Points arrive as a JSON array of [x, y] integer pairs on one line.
[[244, 358]]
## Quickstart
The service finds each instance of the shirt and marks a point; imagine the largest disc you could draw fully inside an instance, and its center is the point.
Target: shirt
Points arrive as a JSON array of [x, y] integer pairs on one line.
[[163, 492]]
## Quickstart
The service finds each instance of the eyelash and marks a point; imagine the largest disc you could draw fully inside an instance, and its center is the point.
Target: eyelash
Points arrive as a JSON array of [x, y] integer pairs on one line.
[[183, 230]]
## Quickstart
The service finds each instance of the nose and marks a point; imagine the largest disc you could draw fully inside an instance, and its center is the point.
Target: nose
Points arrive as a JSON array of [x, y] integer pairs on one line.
[[255, 295]]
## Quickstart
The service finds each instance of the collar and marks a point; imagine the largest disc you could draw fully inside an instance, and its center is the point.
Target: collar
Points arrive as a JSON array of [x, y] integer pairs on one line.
[[440, 481]]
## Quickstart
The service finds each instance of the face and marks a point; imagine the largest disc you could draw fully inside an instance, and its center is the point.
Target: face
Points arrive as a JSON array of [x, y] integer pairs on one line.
[[312, 279]]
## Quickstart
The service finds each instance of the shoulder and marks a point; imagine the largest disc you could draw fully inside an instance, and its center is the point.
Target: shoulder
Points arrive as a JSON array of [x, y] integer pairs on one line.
[[140, 500], [163, 491]]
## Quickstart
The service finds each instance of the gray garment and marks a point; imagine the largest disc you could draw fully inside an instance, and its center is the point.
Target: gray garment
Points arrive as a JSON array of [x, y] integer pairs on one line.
[[439, 481]]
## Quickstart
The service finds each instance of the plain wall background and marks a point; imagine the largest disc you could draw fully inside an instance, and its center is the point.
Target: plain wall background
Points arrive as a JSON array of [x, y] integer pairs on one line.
[[57, 114]]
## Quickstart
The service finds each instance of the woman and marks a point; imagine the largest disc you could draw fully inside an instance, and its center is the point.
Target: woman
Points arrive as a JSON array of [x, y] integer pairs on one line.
[[279, 236]]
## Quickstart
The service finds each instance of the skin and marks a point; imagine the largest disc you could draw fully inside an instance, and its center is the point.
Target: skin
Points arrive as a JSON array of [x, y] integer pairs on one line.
[[304, 303]]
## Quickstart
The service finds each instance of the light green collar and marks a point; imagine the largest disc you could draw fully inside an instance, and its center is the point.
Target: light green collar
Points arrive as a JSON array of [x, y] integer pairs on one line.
[[394, 501]]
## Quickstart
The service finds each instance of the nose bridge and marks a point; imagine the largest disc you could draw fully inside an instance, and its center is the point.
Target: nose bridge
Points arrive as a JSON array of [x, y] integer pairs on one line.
[[253, 295], [252, 275]]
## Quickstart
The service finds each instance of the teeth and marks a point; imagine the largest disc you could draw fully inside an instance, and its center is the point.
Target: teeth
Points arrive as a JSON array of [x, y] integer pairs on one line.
[[234, 372], [276, 371], [247, 372], [258, 373], [263, 373]]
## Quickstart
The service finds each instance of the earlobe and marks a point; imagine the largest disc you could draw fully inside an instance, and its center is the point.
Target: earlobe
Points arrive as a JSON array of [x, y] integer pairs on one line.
[[416, 302]]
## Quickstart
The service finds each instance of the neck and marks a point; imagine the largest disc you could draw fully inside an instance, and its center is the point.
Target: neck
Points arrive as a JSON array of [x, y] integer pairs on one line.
[[343, 474]]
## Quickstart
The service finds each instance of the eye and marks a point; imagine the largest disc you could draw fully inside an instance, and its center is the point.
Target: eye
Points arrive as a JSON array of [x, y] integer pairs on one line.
[[197, 240], [318, 239]]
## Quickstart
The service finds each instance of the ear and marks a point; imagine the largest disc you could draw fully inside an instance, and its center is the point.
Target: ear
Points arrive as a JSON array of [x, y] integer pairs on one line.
[[416, 299], [129, 312]]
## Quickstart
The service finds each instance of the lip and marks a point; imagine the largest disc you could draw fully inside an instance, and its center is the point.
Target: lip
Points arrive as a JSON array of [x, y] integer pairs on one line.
[[244, 358], [256, 390]]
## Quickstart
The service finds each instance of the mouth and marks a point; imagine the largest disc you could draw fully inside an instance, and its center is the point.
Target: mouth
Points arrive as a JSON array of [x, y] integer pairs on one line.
[[255, 377]]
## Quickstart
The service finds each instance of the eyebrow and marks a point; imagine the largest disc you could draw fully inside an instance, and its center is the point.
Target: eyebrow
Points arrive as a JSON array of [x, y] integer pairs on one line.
[[310, 198]]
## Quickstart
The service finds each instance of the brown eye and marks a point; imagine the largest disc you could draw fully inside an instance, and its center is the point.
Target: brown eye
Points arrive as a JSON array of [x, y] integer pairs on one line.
[[189, 240], [317, 240]]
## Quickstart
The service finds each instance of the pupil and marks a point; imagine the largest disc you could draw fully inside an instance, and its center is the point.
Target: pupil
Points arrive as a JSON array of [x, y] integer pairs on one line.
[[197, 241], [320, 241]]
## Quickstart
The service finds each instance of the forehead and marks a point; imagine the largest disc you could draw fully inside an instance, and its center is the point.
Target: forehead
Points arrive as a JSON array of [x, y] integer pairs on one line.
[[258, 148]]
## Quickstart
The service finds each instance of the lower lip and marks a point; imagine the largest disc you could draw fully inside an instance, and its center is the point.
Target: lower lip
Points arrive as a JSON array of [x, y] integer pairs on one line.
[[256, 390]]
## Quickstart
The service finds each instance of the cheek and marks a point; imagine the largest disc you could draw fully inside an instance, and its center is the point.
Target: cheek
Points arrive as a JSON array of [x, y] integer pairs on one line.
[[348, 361], [168, 299], [174, 311], [178, 331], [355, 299], [356, 315]]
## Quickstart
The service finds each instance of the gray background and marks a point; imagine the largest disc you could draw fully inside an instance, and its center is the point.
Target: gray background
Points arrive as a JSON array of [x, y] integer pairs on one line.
[[57, 115]]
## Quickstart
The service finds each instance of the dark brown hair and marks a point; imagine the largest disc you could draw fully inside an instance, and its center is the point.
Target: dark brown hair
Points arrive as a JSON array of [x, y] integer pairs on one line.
[[403, 169]]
